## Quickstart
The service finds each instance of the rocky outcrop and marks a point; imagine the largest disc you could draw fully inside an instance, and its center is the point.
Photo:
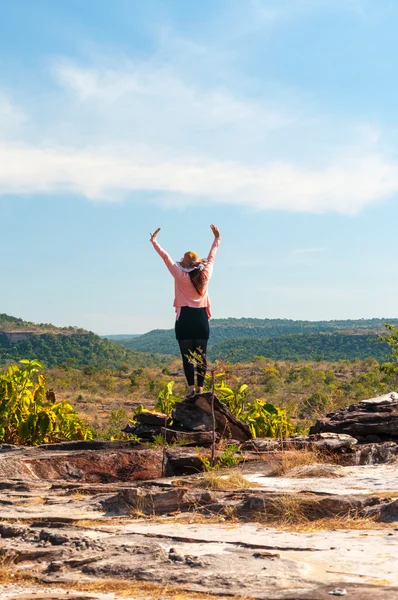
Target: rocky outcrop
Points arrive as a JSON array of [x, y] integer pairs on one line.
[[373, 420], [227, 425], [330, 442], [192, 423]]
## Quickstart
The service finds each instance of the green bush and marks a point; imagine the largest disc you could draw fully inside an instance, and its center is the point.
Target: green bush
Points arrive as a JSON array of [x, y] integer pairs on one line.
[[28, 413]]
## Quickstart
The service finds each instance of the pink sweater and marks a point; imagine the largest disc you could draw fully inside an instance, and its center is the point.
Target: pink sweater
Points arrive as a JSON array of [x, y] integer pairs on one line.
[[185, 293]]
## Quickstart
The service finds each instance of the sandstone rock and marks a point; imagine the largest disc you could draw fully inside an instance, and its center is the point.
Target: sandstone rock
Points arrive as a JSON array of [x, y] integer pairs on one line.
[[322, 441], [364, 420], [191, 417], [90, 445], [262, 445], [376, 454], [148, 418], [182, 461], [95, 466], [155, 501], [189, 438], [389, 512], [227, 425], [11, 531]]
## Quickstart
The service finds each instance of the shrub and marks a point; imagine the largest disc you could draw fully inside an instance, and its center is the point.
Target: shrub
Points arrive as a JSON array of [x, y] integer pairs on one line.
[[29, 415]]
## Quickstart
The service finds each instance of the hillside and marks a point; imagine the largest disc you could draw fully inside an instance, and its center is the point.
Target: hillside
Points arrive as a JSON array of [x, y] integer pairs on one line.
[[281, 339], [67, 346], [10, 324]]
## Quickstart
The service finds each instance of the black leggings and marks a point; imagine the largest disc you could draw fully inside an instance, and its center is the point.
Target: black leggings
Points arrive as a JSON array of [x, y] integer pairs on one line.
[[198, 346]]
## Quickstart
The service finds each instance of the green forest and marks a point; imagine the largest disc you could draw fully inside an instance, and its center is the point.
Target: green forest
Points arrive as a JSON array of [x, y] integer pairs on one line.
[[243, 339], [68, 347], [235, 340]]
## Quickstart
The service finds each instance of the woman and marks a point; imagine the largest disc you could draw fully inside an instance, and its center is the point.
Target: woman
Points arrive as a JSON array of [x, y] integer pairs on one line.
[[192, 304]]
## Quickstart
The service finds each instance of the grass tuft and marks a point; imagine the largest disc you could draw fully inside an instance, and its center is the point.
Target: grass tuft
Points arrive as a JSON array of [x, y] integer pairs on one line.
[[215, 480]]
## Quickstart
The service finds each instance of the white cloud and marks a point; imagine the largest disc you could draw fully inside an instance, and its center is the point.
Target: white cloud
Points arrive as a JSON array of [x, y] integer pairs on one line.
[[112, 131], [110, 173], [11, 116]]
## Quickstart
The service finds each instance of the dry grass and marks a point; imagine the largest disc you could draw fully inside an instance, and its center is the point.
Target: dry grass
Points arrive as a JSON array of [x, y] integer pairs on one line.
[[289, 509], [341, 523], [316, 470], [291, 458], [126, 589], [9, 575], [215, 480]]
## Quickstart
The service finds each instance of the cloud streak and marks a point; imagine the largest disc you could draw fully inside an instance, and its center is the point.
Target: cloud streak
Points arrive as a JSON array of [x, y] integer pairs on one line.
[[138, 126]]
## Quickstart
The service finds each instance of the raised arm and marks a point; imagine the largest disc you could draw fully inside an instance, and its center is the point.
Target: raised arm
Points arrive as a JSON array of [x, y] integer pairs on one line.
[[215, 244], [168, 261]]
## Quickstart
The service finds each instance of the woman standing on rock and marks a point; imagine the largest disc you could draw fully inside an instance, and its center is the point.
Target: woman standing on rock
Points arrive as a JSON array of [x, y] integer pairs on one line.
[[191, 279]]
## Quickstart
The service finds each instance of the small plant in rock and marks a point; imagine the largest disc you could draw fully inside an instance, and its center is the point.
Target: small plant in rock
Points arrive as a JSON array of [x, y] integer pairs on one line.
[[166, 399], [116, 420], [228, 458]]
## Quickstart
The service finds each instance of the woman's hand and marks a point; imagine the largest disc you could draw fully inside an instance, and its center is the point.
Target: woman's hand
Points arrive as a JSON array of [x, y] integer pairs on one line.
[[153, 235], [215, 231]]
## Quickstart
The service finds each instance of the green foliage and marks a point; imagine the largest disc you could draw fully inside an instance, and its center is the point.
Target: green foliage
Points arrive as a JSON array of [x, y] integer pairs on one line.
[[245, 340], [266, 420], [87, 351], [391, 339], [228, 458], [234, 398], [111, 430], [27, 416], [166, 400]]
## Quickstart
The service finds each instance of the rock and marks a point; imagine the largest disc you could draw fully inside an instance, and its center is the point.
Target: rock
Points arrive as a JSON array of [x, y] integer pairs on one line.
[[191, 417], [322, 441], [376, 454], [90, 445], [155, 501], [389, 512], [55, 539], [189, 438], [227, 425], [149, 418], [9, 448], [262, 445], [376, 418], [182, 461], [333, 441], [11, 531], [385, 512], [94, 466]]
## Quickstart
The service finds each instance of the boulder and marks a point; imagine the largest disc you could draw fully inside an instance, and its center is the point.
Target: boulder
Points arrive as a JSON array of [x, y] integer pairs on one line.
[[385, 512], [189, 438], [191, 417], [371, 420], [196, 412], [156, 500], [376, 454], [331, 442], [149, 418]]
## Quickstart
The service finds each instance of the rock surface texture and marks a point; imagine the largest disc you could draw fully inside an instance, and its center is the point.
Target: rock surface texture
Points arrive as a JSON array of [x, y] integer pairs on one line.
[[102, 520], [98, 514], [373, 420]]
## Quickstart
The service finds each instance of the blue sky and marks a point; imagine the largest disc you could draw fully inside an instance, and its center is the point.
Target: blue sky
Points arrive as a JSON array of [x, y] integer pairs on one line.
[[274, 119]]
